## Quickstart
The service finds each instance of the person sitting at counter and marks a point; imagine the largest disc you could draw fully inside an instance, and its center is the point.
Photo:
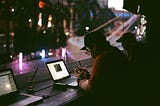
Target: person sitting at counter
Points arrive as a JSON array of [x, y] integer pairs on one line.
[[106, 82]]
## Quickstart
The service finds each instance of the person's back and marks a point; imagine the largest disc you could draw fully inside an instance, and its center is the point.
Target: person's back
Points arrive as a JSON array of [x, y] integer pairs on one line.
[[137, 52], [108, 79], [142, 77], [139, 57]]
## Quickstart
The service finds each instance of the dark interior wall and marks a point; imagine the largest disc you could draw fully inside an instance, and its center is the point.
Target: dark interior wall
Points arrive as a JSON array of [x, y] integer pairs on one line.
[[29, 39]]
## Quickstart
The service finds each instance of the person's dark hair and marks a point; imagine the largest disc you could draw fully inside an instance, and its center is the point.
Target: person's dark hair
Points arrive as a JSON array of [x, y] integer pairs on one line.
[[128, 37], [97, 37]]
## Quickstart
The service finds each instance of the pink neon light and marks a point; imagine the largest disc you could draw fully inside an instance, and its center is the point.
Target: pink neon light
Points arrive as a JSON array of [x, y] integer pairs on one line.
[[20, 61]]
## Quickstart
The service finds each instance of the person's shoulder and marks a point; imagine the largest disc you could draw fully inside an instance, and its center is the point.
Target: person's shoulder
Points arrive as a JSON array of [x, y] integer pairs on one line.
[[142, 46], [105, 55], [115, 50]]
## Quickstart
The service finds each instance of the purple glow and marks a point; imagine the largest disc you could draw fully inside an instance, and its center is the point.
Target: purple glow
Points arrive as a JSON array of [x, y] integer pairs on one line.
[[63, 54], [20, 60]]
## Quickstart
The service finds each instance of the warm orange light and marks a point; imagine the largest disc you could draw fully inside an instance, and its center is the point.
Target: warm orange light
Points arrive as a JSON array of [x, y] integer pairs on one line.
[[41, 4]]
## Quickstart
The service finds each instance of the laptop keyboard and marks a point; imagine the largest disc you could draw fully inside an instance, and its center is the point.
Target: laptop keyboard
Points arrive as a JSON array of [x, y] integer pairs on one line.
[[69, 80]]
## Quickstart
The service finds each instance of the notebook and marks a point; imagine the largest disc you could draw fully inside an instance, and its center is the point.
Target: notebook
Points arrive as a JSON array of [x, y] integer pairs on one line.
[[60, 74], [10, 94]]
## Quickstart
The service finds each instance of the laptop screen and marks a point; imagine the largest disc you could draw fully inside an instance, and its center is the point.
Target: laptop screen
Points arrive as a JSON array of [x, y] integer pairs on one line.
[[57, 69], [7, 82]]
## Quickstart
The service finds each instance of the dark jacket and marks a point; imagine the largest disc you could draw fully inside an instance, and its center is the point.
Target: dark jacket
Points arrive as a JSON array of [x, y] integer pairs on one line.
[[108, 77]]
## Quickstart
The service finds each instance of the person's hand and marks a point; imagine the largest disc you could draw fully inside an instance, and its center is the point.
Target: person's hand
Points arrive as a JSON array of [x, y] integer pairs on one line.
[[81, 73]]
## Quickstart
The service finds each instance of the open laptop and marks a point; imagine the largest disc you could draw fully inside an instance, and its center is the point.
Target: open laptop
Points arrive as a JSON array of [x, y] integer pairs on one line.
[[60, 73], [9, 91]]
